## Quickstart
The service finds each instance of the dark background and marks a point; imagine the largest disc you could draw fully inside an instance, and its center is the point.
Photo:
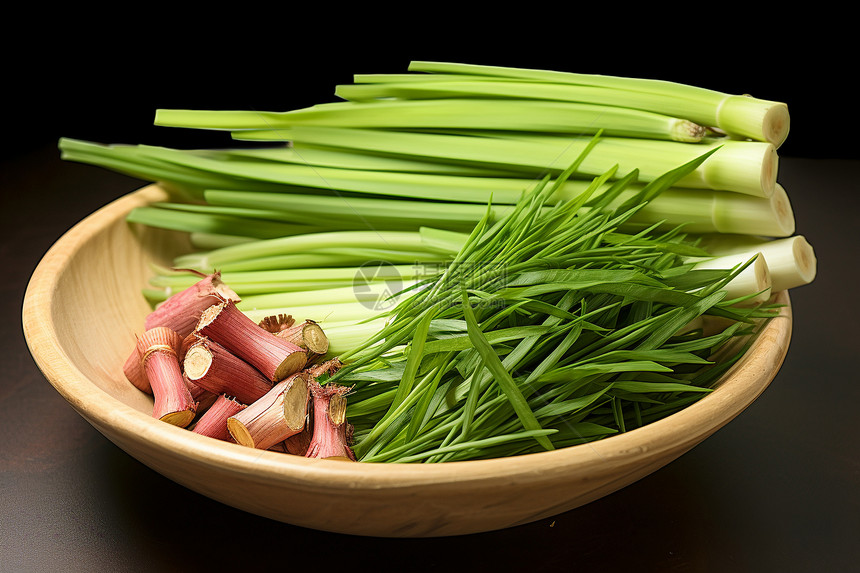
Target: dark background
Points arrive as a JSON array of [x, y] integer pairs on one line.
[[775, 490], [102, 82]]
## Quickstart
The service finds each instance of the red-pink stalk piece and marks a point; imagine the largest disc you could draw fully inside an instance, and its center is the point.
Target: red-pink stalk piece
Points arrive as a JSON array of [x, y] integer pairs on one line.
[[214, 368], [309, 336], [159, 348], [202, 396], [214, 422], [228, 326], [133, 370], [331, 432], [281, 413], [182, 311], [298, 444]]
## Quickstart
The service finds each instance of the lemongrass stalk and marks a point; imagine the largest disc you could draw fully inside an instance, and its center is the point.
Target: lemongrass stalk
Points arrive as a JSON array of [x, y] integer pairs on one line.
[[193, 173], [739, 166], [307, 278], [702, 211], [699, 210], [739, 115], [326, 258], [209, 241], [284, 176], [229, 175], [379, 291], [346, 336], [329, 158], [349, 208], [194, 219], [321, 313], [792, 261], [296, 244], [488, 114], [413, 78], [238, 212], [182, 310], [753, 283], [748, 167]]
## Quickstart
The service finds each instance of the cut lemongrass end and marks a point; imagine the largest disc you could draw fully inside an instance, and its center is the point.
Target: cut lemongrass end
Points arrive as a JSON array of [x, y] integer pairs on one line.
[[738, 214], [275, 357], [753, 283], [344, 337], [748, 167], [791, 260], [749, 117]]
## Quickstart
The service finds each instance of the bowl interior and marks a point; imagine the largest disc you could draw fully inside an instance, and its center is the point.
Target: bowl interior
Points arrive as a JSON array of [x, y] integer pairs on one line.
[[82, 310], [96, 308]]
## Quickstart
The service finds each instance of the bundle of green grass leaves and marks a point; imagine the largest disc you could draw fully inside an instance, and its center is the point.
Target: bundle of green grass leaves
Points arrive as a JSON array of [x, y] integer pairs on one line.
[[505, 260]]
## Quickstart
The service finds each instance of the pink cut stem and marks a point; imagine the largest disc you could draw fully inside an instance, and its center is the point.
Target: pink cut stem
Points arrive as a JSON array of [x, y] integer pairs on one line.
[[214, 422], [214, 368], [228, 326], [173, 401], [181, 311]]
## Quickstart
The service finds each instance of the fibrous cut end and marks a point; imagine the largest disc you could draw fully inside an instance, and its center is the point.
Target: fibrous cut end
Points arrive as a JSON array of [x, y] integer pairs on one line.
[[314, 338], [197, 361], [181, 419], [296, 397], [278, 323], [240, 433], [291, 364]]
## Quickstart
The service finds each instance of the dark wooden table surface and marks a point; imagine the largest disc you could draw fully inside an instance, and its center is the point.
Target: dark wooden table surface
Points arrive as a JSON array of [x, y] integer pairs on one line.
[[778, 489]]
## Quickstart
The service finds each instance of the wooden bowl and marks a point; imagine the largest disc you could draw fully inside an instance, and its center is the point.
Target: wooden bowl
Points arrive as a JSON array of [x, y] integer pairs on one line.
[[81, 312]]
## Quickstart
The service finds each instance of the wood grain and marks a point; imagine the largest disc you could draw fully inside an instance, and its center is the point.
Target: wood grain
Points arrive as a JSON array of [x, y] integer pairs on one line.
[[83, 306]]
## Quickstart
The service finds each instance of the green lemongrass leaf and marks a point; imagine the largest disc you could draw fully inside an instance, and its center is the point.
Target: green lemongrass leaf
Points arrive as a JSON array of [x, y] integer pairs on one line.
[[501, 375], [371, 405], [578, 371], [567, 407], [551, 359], [414, 355], [584, 277], [661, 355], [463, 342], [646, 387], [422, 409], [477, 445]]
